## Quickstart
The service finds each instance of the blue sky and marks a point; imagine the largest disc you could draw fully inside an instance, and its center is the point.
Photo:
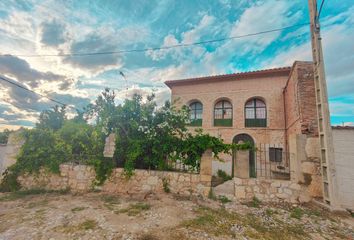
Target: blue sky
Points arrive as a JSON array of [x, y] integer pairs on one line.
[[54, 27]]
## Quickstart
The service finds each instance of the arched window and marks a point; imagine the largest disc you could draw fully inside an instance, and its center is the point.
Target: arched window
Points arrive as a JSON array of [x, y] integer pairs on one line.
[[223, 113], [255, 113], [196, 114]]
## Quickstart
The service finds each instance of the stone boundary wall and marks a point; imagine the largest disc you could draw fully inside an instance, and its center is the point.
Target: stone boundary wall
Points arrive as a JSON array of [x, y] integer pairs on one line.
[[80, 178], [269, 190]]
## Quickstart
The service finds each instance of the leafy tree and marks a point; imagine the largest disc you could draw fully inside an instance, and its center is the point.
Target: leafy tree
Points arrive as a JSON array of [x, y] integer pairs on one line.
[[104, 111], [52, 119], [4, 136]]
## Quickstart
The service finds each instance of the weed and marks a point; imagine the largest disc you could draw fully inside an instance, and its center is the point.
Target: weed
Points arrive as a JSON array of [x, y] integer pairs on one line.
[[110, 199], [36, 204], [255, 202], [296, 213], [224, 199], [88, 224], [211, 195], [148, 236], [269, 212], [219, 222], [24, 193], [165, 184], [134, 209], [222, 174], [78, 209]]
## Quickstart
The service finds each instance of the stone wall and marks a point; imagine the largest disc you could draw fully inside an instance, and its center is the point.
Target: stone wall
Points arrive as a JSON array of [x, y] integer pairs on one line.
[[77, 178], [144, 181], [9, 151], [80, 178], [269, 190]]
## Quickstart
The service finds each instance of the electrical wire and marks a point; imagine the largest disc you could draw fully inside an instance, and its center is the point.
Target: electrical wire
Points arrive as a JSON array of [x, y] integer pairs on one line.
[[157, 48], [319, 12], [41, 95]]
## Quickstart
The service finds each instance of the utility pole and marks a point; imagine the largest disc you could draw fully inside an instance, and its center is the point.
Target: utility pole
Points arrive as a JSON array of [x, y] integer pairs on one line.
[[324, 126]]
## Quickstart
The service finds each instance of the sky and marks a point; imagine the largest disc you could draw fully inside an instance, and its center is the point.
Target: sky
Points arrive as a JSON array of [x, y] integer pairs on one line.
[[42, 27]]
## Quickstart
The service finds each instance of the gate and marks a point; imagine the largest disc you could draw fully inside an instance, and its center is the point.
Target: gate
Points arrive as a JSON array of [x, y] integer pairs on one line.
[[272, 162]]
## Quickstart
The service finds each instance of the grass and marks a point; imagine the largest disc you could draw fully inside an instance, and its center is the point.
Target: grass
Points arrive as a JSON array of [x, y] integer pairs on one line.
[[88, 224], [24, 193], [255, 203], [40, 203], [148, 236], [269, 212], [211, 195], [224, 199], [85, 225], [78, 209], [135, 209], [166, 185], [110, 201], [296, 213], [219, 222]]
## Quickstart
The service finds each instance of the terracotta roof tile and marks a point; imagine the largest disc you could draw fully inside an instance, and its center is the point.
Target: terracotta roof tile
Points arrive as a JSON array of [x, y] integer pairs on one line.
[[258, 73]]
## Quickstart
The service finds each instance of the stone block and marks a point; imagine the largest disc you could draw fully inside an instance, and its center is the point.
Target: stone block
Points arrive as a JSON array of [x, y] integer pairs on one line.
[[309, 167], [295, 186], [282, 195], [152, 180], [238, 181], [315, 188], [240, 192], [312, 147], [288, 191]]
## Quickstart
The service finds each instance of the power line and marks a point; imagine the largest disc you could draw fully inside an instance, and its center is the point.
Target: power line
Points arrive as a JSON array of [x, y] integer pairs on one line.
[[41, 95], [158, 48], [319, 12]]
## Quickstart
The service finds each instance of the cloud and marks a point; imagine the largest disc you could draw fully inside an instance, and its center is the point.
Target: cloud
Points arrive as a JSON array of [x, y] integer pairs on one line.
[[69, 99], [20, 69], [94, 63], [53, 33]]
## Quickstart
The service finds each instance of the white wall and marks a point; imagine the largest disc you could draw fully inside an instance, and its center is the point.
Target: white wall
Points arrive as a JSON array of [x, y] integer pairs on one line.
[[343, 139]]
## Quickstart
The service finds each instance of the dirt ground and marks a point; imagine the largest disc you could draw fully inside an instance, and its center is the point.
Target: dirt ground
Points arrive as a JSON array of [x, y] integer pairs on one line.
[[60, 215]]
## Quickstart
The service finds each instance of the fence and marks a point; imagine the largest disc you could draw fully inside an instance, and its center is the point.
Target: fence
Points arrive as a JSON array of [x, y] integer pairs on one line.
[[272, 162]]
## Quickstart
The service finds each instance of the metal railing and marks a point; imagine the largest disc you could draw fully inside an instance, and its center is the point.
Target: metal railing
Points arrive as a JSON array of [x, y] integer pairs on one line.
[[272, 162]]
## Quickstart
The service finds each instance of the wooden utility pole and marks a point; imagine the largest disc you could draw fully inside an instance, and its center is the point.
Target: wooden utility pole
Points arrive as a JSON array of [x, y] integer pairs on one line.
[[324, 126]]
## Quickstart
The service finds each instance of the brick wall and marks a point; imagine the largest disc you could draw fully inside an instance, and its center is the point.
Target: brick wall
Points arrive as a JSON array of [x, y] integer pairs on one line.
[[300, 100]]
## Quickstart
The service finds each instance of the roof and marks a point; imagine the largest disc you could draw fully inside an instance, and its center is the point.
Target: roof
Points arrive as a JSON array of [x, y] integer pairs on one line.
[[283, 71]]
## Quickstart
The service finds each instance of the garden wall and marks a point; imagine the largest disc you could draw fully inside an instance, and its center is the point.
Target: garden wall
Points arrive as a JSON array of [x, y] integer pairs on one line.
[[80, 178], [269, 190]]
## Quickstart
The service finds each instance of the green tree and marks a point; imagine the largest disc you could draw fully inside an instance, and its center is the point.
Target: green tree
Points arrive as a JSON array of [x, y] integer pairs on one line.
[[4, 136], [52, 119], [103, 111]]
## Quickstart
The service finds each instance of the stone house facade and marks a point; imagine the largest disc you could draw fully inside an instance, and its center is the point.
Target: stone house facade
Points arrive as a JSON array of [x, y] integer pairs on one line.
[[275, 109]]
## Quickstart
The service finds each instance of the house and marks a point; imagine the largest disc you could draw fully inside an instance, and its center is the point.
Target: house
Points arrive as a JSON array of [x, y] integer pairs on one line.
[[274, 109]]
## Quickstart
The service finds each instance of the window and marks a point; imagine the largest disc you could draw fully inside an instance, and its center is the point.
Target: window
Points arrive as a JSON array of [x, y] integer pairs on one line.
[[255, 113], [223, 113], [196, 114], [275, 154]]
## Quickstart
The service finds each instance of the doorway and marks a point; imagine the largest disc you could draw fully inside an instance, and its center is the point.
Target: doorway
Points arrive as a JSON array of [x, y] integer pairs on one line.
[[242, 138]]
